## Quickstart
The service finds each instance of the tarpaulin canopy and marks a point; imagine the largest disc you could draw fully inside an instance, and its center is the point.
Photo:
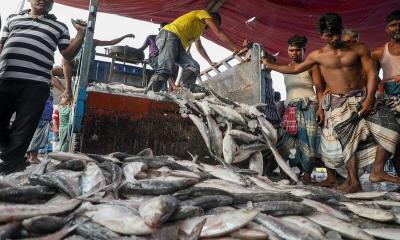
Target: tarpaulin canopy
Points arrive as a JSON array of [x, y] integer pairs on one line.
[[275, 20]]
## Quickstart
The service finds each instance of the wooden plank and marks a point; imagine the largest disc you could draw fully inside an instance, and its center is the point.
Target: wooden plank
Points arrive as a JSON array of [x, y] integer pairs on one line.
[[214, 5]]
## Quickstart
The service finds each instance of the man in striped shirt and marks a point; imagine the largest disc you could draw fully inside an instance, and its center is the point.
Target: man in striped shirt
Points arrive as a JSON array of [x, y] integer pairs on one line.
[[27, 56]]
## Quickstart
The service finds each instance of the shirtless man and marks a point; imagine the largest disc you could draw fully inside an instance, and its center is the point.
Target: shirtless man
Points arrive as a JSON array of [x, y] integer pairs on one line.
[[388, 58], [342, 66]]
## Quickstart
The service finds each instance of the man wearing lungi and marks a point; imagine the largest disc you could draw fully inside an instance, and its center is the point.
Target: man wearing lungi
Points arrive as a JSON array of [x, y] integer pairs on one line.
[[351, 101], [300, 119], [388, 58]]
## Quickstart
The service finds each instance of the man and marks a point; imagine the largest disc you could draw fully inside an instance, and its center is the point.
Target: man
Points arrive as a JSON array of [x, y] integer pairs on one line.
[[299, 122], [153, 50], [280, 107], [388, 58], [27, 56], [342, 67], [69, 68], [173, 41], [350, 37]]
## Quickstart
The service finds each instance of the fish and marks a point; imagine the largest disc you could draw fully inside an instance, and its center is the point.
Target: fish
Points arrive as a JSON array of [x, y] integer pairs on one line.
[[326, 192], [183, 212], [268, 129], [283, 208], [131, 169], [229, 147], [375, 214], [221, 224], [240, 198], [25, 194], [44, 224], [156, 187], [333, 235], [244, 137], [323, 208], [264, 183], [166, 232], [366, 195], [383, 203], [65, 156], [225, 174], [119, 219], [306, 224], [256, 163], [94, 231], [345, 229], [63, 180], [258, 227], [285, 229], [244, 233], [393, 196], [60, 234], [194, 192], [73, 164], [158, 210], [208, 202], [157, 162], [215, 135], [222, 99], [281, 162], [179, 173], [10, 230], [196, 231], [92, 178], [120, 155], [103, 158], [202, 129], [14, 212], [115, 172], [228, 113], [146, 152], [230, 187], [384, 233]]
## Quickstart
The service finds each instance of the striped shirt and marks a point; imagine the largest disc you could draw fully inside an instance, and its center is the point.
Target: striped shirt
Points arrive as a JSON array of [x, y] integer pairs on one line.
[[271, 111], [29, 45]]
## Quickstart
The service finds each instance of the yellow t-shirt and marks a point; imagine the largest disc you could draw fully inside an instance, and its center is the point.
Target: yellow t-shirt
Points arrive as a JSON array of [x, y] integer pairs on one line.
[[189, 27]]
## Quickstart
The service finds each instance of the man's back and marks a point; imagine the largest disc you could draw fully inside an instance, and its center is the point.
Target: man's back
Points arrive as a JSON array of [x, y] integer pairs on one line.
[[189, 27]]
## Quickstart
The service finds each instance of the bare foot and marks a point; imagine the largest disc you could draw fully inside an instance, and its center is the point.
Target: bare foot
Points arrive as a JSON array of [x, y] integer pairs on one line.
[[306, 178], [34, 161], [349, 188], [383, 177], [328, 183]]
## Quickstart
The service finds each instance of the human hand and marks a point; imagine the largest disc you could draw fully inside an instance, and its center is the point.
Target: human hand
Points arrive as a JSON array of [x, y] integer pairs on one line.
[[246, 43], [130, 35], [367, 106], [67, 95], [320, 116], [79, 25]]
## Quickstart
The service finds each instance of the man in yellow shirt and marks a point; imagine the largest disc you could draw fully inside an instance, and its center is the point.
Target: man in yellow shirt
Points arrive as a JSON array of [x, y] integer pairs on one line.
[[174, 40]]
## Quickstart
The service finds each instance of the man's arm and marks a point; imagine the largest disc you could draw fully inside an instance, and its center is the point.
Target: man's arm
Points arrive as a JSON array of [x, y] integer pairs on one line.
[[221, 35], [145, 44], [111, 42], [67, 70], [57, 84], [70, 52], [370, 69], [202, 51], [319, 84], [306, 65]]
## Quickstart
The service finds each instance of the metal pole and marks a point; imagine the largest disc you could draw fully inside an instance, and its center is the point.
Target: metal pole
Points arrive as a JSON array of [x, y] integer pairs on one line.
[[82, 82], [20, 6]]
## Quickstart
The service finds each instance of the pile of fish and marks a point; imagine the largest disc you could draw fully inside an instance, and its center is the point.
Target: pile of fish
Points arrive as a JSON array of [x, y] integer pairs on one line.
[[143, 196], [233, 132]]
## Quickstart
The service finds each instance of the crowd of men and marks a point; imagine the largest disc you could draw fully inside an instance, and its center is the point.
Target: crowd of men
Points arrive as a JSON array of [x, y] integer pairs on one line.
[[334, 110]]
